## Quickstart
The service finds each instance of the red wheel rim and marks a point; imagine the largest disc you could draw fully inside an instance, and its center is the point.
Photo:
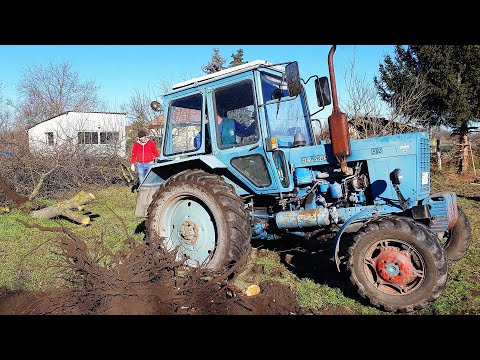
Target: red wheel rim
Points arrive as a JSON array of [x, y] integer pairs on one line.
[[394, 267]]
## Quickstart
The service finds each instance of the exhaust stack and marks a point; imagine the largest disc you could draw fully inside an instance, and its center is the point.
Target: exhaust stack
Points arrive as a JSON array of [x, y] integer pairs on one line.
[[338, 122]]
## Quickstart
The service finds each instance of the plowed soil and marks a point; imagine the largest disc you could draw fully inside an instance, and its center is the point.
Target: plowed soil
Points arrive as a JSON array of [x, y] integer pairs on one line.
[[145, 279]]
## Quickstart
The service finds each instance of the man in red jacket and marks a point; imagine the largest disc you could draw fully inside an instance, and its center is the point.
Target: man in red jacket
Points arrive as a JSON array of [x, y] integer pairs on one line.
[[144, 151]]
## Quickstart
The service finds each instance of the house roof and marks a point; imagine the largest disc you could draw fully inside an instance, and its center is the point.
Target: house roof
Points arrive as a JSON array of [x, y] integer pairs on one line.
[[158, 121], [78, 112]]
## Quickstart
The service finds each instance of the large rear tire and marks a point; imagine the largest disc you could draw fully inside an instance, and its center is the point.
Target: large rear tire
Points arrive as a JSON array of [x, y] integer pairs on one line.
[[457, 239], [202, 215], [397, 264]]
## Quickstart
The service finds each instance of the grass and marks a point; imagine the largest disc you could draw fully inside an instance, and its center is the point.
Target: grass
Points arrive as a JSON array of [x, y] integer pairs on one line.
[[462, 292], [29, 258], [310, 295]]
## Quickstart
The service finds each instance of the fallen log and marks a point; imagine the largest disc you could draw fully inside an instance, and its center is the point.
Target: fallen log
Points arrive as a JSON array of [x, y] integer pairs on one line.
[[64, 208]]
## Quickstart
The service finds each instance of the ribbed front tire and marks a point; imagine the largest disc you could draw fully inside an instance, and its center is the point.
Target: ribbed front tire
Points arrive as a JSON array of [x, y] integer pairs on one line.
[[202, 215]]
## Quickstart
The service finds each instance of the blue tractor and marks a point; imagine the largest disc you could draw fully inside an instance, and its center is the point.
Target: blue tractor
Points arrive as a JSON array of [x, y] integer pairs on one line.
[[240, 161]]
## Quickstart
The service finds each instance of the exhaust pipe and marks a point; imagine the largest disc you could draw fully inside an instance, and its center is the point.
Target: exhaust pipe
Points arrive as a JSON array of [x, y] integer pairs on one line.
[[338, 122]]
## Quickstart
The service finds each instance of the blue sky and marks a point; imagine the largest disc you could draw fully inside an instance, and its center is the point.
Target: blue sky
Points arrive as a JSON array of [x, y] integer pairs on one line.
[[120, 69]]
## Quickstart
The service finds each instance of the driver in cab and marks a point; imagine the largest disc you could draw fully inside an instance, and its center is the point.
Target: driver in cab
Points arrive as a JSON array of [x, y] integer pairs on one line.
[[228, 129]]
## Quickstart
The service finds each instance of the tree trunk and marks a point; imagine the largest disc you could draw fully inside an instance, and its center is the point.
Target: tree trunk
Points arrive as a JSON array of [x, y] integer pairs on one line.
[[464, 155], [63, 208]]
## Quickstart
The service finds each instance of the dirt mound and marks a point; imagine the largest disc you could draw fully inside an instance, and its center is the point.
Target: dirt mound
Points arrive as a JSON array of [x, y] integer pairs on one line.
[[144, 279]]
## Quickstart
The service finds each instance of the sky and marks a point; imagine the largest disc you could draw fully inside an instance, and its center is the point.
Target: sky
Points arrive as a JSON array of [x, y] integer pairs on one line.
[[122, 69]]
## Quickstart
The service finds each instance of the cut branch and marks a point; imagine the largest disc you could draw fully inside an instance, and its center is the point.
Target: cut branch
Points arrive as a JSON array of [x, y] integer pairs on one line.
[[40, 182], [64, 208], [19, 200]]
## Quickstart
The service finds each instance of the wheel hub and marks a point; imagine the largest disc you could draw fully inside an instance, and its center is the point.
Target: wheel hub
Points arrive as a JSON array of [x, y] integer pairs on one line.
[[392, 269], [395, 267], [189, 232]]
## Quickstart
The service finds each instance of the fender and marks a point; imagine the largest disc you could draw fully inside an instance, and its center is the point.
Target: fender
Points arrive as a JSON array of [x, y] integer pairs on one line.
[[358, 217]]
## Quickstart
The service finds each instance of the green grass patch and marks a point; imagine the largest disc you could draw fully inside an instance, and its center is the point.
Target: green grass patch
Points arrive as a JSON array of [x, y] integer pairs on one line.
[[29, 258], [273, 269], [322, 297], [309, 294]]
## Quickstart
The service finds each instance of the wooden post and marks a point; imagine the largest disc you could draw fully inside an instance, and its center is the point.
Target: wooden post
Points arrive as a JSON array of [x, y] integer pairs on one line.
[[439, 157], [473, 161]]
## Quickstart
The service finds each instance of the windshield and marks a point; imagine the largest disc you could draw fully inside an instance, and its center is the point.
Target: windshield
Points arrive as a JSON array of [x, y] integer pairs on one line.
[[286, 118]]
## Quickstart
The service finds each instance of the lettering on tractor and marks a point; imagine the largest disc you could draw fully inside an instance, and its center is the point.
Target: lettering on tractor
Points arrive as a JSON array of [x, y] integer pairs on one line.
[[310, 159], [239, 161]]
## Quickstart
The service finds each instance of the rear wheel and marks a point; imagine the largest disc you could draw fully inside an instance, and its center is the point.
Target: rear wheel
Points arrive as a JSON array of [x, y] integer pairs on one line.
[[397, 264], [457, 239], [203, 216]]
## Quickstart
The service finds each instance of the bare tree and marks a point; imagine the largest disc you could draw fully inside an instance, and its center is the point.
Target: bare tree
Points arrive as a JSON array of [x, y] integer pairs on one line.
[[370, 116], [166, 84], [46, 91], [5, 115], [138, 107]]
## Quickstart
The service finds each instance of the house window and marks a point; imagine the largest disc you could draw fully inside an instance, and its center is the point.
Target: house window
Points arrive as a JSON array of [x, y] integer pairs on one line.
[[49, 138], [109, 137], [87, 137]]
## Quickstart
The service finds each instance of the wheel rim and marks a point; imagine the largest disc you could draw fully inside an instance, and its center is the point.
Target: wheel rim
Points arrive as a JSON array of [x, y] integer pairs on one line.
[[189, 225], [394, 267]]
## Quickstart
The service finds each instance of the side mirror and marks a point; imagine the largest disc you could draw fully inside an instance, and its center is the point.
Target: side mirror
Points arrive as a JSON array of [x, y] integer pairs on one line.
[[155, 105], [322, 88], [293, 79]]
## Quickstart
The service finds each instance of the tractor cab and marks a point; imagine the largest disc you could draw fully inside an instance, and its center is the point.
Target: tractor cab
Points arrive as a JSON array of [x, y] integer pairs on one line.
[[239, 119]]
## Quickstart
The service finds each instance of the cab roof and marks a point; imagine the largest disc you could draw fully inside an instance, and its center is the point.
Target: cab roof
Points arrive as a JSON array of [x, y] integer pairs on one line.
[[222, 73]]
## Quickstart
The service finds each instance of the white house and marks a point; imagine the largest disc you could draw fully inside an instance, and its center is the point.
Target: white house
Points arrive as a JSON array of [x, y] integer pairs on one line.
[[98, 133]]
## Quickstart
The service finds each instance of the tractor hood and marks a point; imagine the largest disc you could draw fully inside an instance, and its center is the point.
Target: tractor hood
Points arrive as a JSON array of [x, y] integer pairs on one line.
[[307, 156]]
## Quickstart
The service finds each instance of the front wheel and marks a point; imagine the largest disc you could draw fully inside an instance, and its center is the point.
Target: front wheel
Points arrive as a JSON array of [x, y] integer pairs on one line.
[[202, 215], [397, 264]]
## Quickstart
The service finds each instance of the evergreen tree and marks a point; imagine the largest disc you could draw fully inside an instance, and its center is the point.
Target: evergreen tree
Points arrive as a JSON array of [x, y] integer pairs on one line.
[[237, 58], [216, 64], [452, 78]]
